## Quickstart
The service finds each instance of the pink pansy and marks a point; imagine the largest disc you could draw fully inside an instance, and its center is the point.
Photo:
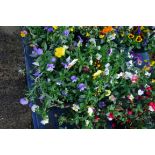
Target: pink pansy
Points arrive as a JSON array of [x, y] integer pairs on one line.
[[134, 78], [110, 116], [152, 106]]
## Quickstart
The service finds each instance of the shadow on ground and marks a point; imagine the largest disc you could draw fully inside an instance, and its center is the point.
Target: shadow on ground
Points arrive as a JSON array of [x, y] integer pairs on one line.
[[12, 83]]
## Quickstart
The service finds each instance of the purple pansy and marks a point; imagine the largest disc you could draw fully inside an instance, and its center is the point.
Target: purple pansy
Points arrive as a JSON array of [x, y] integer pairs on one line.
[[80, 39], [73, 78], [50, 67], [53, 59], [50, 29], [39, 51], [101, 104], [24, 101], [81, 86], [66, 33], [37, 74]]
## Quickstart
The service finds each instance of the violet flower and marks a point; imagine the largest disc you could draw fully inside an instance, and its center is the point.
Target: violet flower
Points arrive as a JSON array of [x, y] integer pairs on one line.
[[39, 51], [73, 78], [50, 29], [37, 74], [102, 104], [24, 101], [50, 67], [53, 59], [81, 86], [66, 33]]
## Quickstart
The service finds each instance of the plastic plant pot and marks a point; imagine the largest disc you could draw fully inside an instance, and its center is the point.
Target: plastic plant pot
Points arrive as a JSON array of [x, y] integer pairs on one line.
[[55, 112]]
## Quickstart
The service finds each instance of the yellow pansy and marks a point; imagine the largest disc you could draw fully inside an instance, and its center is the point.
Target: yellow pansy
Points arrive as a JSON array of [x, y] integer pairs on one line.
[[97, 74], [146, 68], [71, 29], [55, 27], [101, 36], [152, 63], [87, 34], [107, 92], [59, 52], [153, 80]]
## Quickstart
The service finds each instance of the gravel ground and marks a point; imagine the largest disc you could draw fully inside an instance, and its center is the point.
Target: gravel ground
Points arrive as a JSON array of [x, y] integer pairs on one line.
[[12, 83]]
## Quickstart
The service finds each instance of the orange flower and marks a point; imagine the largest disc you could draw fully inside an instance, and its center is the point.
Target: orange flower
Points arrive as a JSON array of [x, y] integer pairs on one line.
[[106, 29]]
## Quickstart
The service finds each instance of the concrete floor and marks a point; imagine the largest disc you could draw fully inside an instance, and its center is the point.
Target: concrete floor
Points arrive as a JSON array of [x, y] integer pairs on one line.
[[12, 83]]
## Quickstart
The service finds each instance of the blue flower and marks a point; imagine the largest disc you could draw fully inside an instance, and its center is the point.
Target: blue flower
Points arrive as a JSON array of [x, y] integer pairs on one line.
[[39, 51], [73, 78], [50, 67], [24, 101], [50, 29], [102, 104], [53, 59], [81, 86], [66, 33]]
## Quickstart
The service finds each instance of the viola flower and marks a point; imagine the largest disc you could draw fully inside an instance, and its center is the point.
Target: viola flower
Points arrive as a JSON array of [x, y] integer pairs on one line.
[[86, 69], [98, 56], [59, 52], [107, 92], [90, 111], [147, 74], [45, 121], [66, 33], [24, 101], [72, 63], [131, 36], [50, 29], [87, 34], [37, 74], [53, 59], [39, 51], [139, 39], [130, 112], [75, 107], [101, 36], [101, 104], [110, 51], [106, 29], [55, 27], [34, 107], [140, 92], [73, 78], [98, 73], [81, 86], [134, 78], [152, 106], [110, 116], [131, 97], [23, 33], [50, 67], [71, 29], [87, 122], [36, 64], [112, 98]]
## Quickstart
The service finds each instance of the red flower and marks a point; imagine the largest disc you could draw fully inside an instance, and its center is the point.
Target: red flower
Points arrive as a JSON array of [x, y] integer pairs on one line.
[[148, 88], [152, 106], [130, 112], [110, 116]]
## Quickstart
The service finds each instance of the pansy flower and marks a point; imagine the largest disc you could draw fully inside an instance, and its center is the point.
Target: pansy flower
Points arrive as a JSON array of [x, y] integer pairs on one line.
[[81, 86], [50, 67], [23, 33], [139, 39], [24, 101], [110, 116], [59, 52], [152, 106]]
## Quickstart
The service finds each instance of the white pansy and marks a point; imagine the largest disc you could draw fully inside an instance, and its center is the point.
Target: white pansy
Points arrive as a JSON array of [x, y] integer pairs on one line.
[[128, 75], [87, 122], [34, 108], [98, 56], [92, 40], [98, 47], [65, 47], [107, 65], [72, 63], [129, 64], [90, 61], [36, 63], [106, 71], [119, 75], [147, 74], [75, 107], [45, 121], [140, 92], [48, 80], [90, 111]]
